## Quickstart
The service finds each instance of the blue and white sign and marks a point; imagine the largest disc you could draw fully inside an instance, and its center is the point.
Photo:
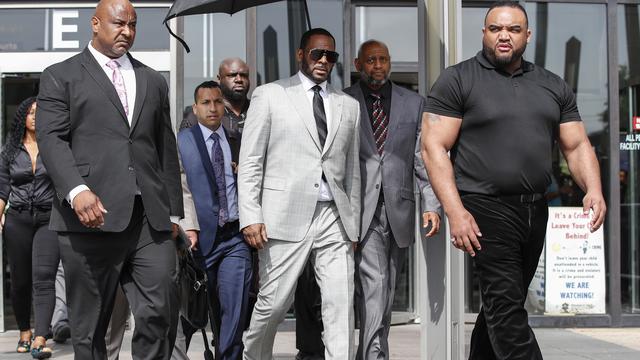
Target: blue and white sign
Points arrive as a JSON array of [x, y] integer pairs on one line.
[[574, 270]]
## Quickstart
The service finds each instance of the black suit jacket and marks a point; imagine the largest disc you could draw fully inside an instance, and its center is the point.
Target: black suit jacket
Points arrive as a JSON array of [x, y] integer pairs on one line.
[[85, 138]]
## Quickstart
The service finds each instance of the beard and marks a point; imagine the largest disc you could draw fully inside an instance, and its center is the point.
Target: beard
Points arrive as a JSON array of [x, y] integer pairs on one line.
[[307, 69], [232, 95], [502, 62], [373, 82]]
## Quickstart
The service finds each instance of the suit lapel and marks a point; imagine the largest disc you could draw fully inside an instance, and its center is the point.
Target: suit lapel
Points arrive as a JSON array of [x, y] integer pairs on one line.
[[141, 91], [301, 103], [336, 116], [397, 107], [204, 155], [365, 121], [95, 71]]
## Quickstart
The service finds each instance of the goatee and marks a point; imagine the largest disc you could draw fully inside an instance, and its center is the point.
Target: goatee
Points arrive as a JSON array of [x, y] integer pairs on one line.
[[232, 95], [371, 81], [502, 62]]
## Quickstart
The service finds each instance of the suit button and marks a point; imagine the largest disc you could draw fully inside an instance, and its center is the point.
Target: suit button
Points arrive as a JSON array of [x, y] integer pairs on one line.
[[377, 186], [130, 141], [316, 185], [130, 168], [381, 162]]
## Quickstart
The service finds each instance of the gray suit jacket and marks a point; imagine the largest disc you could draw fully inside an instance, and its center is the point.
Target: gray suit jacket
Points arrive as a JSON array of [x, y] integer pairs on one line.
[[400, 167], [281, 161]]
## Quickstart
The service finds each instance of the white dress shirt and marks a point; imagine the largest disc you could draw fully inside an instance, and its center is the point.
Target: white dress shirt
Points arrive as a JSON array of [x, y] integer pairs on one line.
[[230, 180], [307, 85]]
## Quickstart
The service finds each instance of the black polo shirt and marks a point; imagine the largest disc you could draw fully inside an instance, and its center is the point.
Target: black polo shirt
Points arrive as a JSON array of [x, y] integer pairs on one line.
[[235, 122], [509, 123]]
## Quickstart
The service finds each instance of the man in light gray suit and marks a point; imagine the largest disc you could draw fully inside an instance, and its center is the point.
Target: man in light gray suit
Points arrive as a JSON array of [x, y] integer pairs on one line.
[[391, 166], [299, 196]]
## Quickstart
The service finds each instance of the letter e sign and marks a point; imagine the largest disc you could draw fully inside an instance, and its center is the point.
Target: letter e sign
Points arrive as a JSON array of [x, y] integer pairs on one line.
[[58, 28]]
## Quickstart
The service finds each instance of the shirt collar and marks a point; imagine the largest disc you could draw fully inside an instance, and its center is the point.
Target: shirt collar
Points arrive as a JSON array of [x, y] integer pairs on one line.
[[102, 59], [206, 132], [307, 83], [524, 67]]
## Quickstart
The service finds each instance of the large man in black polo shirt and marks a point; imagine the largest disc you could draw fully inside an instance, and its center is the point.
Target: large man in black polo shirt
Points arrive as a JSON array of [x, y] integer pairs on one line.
[[499, 116]]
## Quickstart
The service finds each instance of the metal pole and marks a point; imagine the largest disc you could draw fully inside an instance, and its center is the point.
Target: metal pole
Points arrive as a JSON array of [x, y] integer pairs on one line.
[[306, 12]]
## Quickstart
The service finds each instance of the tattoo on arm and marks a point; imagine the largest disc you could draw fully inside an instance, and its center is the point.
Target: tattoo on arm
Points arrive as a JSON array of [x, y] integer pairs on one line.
[[434, 117]]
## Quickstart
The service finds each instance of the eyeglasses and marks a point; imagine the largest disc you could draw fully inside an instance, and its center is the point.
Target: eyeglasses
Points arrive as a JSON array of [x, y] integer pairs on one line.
[[317, 54]]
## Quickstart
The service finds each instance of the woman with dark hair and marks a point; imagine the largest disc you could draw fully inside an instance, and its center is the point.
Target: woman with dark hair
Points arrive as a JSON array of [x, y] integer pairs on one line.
[[32, 248]]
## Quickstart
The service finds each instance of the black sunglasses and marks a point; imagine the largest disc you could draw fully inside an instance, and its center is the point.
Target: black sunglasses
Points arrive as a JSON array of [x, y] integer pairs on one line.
[[317, 54]]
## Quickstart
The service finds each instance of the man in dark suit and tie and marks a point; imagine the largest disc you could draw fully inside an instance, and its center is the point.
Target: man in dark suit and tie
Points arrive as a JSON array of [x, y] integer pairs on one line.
[[391, 168], [209, 154], [107, 141]]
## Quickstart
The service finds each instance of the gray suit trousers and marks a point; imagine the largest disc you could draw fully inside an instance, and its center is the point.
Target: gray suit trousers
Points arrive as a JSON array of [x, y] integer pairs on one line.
[[378, 261], [327, 247]]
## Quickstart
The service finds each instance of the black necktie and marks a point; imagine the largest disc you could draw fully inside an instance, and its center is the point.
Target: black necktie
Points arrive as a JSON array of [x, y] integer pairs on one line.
[[319, 114], [379, 122]]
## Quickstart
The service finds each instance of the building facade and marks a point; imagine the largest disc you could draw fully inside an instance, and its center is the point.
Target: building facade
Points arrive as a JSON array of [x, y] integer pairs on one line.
[[593, 44]]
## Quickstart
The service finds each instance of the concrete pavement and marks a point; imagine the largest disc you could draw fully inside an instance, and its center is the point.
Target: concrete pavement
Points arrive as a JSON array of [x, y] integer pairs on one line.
[[556, 344]]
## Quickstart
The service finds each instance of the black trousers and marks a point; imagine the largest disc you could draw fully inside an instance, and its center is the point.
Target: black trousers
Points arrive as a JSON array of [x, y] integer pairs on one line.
[[513, 233], [142, 261], [33, 260], [308, 310]]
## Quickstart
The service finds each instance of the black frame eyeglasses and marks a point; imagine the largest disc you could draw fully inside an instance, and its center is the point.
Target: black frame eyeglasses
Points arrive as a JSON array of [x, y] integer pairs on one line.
[[317, 54]]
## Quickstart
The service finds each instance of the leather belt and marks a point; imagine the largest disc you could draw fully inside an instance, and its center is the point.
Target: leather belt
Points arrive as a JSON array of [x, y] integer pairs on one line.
[[522, 198], [228, 230]]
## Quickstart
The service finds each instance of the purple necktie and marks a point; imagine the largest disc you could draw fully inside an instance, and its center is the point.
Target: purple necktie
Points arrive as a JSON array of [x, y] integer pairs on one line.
[[118, 83], [379, 122], [217, 159]]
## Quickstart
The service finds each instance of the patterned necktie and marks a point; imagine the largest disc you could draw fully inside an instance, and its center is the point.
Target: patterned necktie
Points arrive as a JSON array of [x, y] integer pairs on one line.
[[118, 83], [217, 159], [379, 122], [319, 114]]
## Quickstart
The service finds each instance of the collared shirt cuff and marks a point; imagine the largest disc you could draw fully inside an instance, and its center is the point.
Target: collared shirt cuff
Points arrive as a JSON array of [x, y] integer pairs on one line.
[[74, 192], [175, 219]]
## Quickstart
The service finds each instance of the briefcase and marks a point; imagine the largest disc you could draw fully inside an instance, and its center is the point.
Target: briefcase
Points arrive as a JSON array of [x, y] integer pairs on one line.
[[194, 300]]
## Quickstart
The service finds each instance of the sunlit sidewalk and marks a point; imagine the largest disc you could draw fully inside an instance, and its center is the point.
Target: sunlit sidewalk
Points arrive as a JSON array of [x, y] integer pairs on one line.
[[556, 344]]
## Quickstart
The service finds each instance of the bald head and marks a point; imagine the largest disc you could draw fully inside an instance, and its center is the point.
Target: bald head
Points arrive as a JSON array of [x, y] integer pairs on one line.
[[233, 75], [114, 27], [373, 63]]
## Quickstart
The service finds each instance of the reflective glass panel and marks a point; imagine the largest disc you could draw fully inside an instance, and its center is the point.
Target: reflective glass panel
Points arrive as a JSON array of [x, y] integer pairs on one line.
[[279, 28], [629, 82], [395, 26], [69, 29], [211, 38]]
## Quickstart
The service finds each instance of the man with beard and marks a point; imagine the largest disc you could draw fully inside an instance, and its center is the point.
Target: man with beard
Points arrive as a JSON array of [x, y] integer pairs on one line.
[[390, 166], [499, 116], [306, 206], [233, 75]]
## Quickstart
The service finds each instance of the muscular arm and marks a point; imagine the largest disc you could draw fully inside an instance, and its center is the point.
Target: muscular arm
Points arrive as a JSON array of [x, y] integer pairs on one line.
[[584, 168], [430, 205], [439, 134]]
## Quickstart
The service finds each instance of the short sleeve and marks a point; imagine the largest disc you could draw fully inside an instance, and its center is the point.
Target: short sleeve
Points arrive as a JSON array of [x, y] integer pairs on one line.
[[446, 96], [568, 104]]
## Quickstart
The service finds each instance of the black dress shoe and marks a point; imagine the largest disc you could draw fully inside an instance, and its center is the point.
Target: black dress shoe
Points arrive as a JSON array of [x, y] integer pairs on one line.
[[303, 355], [61, 333]]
